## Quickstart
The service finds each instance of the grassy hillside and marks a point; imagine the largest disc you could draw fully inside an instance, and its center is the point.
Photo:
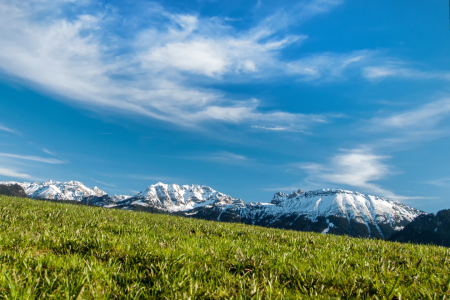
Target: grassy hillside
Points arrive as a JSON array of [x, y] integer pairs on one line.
[[80, 252]]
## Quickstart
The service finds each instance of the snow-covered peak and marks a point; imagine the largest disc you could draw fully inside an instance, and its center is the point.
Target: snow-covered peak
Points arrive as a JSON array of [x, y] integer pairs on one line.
[[352, 206], [281, 196], [355, 213], [118, 198], [343, 203], [174, 197], [55, 190]]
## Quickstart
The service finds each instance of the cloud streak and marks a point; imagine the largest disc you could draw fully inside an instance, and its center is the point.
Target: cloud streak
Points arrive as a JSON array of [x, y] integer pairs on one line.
[[224, 157], [445, 182], [382, 72], [14, 174], [48, 152], [276, 128], [426, 116], [7, 129], [33, 158], [102, 182], [329, 66], [424, 123]]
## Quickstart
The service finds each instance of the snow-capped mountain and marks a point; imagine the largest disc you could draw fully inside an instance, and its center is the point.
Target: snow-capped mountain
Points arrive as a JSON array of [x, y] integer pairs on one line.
[[54, 190], [328, 211], [176, 198]]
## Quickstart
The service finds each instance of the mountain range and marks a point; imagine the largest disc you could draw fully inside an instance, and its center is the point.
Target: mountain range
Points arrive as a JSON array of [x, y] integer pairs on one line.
[[333, 211]]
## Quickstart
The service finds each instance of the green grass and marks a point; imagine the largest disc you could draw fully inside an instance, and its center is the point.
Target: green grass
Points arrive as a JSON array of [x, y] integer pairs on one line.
[[78, 252]]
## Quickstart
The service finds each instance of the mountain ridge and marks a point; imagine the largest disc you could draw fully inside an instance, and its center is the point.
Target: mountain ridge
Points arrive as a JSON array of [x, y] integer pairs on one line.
[[334, 211], [55, 190], [426, 229]]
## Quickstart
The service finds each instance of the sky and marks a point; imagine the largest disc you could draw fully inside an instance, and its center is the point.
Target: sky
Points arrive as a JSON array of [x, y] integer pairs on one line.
[[247, 97]]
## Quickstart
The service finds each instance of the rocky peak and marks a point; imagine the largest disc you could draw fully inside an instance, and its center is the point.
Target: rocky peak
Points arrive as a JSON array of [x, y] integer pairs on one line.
[[278, 197], [295, 194], [281, 196]]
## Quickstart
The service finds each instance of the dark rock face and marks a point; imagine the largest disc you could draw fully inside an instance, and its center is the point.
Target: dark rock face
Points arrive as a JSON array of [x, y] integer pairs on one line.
[[329, 224], [14, 190], [427, 229], [97, 200]]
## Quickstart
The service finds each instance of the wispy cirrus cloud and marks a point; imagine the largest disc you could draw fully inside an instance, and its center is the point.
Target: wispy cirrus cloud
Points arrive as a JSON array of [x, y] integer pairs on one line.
[[7, 129], [423, 123], [426, 116], [33, 158], [276, 128], [330, 66], [107, 184], [443, 182], [148, 73], [48, 152], [227, 156], [164, 70], [224, 157], [394, 71], [10, 173]]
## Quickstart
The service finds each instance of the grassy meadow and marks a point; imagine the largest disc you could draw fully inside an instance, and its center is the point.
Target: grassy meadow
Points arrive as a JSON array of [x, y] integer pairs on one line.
[[65, 251]]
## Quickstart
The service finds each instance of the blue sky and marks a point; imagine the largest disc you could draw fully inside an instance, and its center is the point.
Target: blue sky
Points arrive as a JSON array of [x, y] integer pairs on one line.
[[248, 98]]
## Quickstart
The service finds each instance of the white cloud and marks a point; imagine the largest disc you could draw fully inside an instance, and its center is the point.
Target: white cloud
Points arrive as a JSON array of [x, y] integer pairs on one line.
[[424, 117], [358, 168], [102, 182], [33, 158], [208, 47], [201, 57], [277, 128], [329, 65], [7, 129], [224, 157], [297, 14], [48, 152], [445, 182], [14, 174], [227, 156], [362, 168], [377, 72], [380, 72], [81, 59], [424, 123]]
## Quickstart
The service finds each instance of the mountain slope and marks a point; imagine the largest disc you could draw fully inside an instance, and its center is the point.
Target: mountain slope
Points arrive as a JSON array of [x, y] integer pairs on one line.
[[327, 211], [427, 229], [13, 190]]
